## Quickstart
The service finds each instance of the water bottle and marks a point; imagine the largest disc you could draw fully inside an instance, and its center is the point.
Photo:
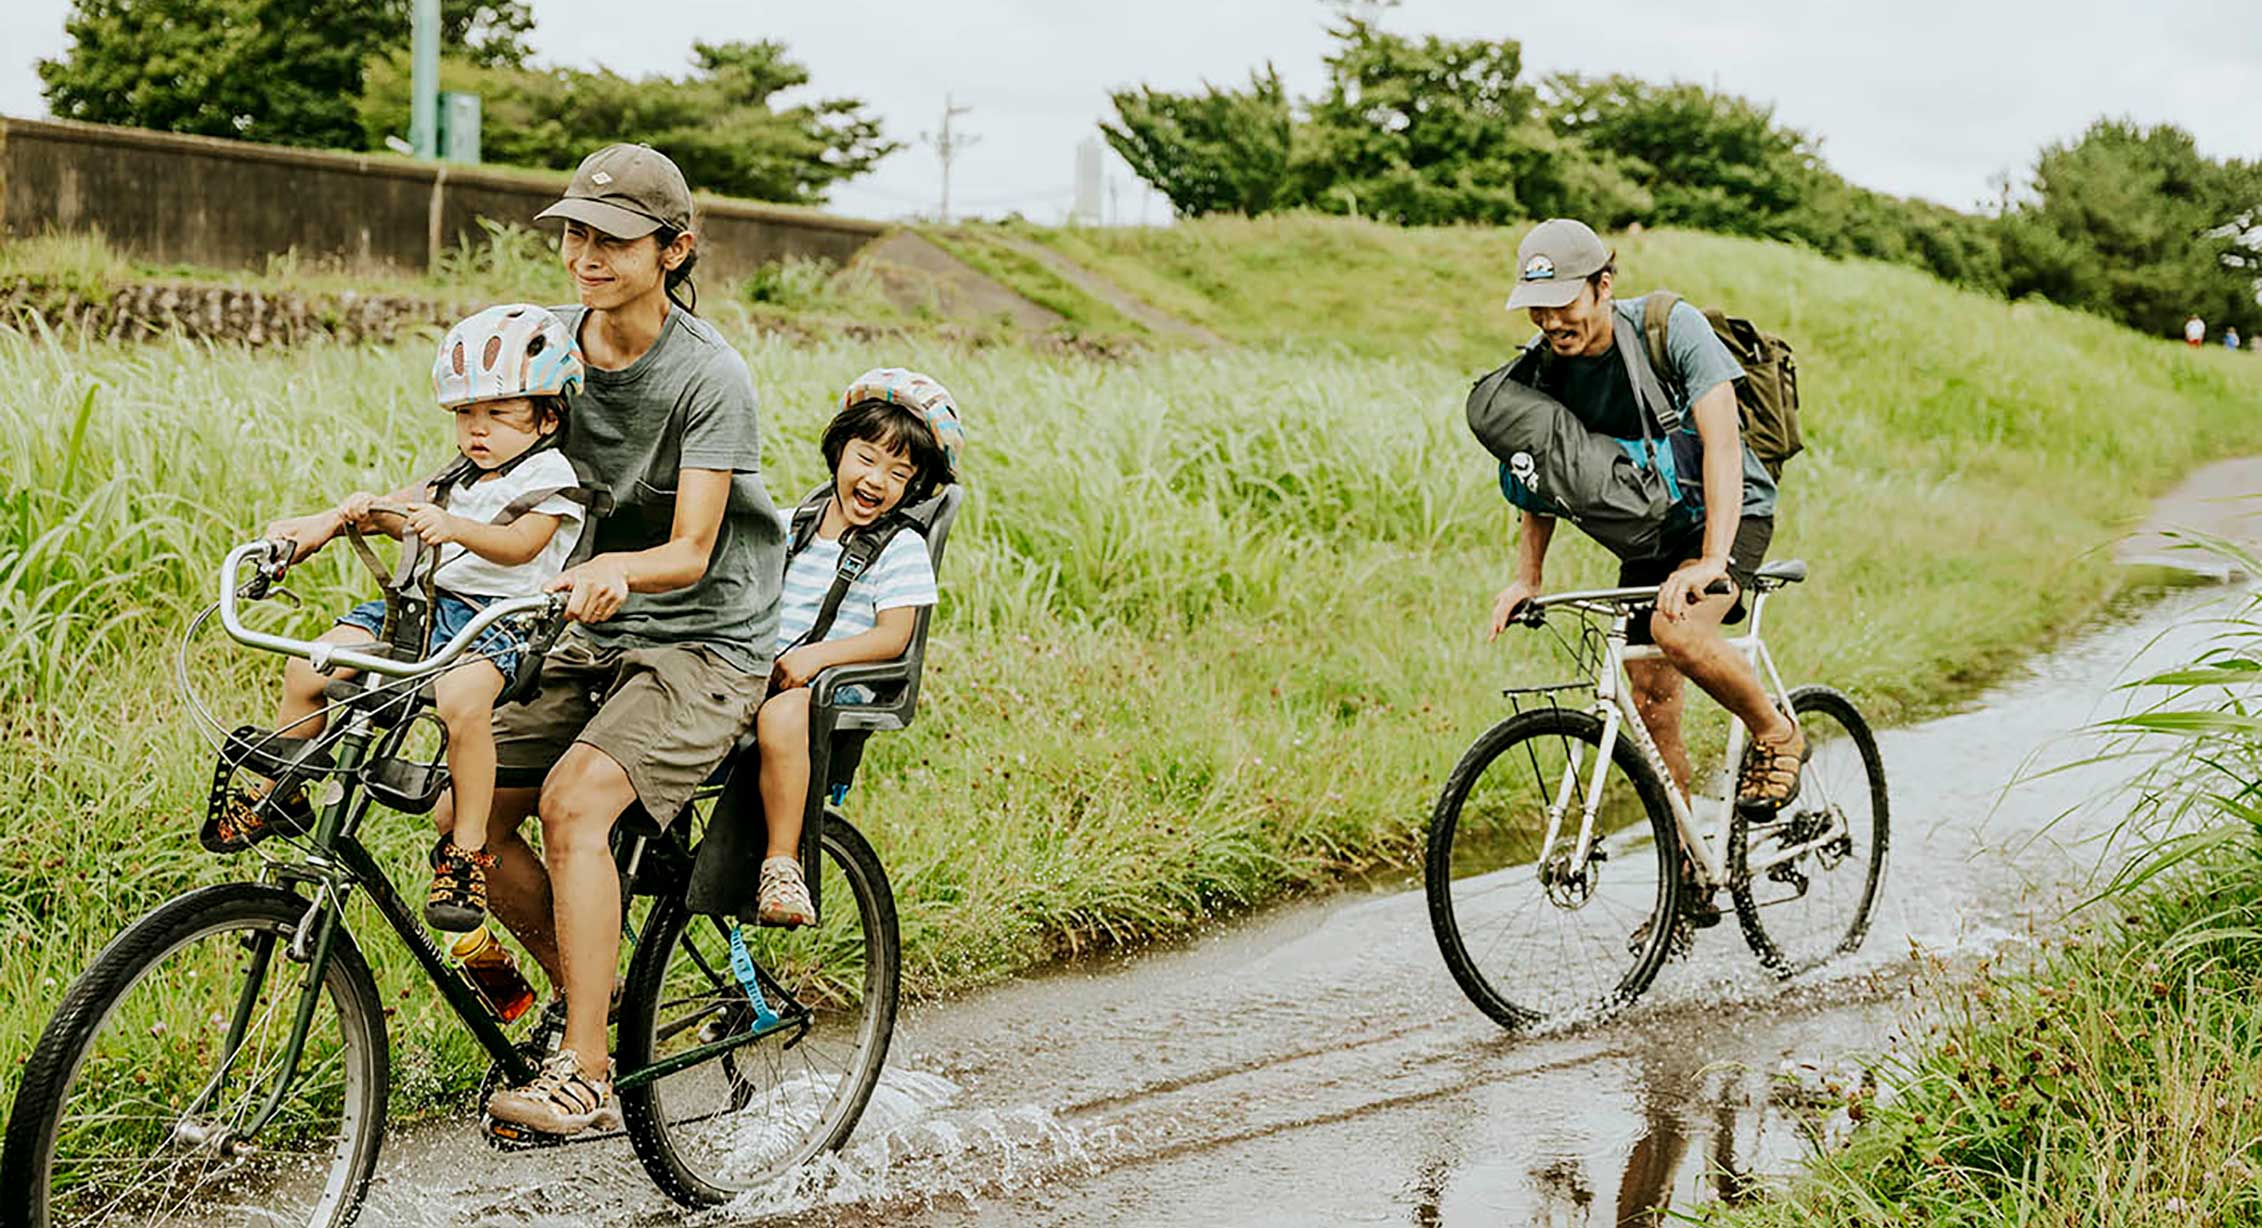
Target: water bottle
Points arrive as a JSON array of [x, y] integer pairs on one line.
[[494, 970]]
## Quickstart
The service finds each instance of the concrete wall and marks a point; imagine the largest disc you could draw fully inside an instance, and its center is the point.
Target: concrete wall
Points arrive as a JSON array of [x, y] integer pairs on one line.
[[205, 201]]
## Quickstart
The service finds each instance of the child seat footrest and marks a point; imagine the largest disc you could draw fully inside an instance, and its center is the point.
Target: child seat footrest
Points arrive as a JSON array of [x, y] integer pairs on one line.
[[411, 788], [252, 749]]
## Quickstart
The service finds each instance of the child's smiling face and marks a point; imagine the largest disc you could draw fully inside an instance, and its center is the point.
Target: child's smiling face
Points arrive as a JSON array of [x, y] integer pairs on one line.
[[870, 480], [496, 432]]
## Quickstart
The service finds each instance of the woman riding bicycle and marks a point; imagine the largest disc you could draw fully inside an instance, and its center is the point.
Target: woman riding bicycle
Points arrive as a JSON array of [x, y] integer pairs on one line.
[[676, 611]]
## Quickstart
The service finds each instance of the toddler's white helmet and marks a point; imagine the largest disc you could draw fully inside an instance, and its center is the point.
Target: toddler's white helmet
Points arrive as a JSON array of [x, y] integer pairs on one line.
[[514, 350]]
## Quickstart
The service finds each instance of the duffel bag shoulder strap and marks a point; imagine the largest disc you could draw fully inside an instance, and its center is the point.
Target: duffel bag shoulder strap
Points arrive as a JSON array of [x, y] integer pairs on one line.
[[1641, 371]]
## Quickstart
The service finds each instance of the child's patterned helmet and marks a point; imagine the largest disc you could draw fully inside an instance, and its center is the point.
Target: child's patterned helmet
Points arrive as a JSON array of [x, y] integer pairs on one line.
[[514, 350], [923, 395]]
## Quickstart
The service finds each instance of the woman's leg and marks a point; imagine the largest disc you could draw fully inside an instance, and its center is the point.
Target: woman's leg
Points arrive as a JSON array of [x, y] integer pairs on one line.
[[583, 796], [781, 733]]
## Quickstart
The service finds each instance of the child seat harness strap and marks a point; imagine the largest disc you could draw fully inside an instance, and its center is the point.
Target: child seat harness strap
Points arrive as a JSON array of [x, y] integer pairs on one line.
[[859, 549]]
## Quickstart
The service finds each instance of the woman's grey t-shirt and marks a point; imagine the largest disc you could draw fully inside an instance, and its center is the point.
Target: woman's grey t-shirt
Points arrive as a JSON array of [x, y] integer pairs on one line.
[[686, 403]]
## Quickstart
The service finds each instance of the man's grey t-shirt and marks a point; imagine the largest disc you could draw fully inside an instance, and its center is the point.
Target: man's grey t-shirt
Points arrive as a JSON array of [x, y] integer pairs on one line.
[[686, 403]]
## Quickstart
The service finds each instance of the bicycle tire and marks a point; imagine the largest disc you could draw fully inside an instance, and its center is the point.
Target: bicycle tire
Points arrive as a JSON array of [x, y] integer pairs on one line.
[[1457, 916], [1790, 931], [136, 958], [668, 963]]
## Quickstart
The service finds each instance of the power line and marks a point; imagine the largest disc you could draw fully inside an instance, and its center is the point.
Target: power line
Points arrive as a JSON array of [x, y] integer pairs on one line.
[[948, 146]]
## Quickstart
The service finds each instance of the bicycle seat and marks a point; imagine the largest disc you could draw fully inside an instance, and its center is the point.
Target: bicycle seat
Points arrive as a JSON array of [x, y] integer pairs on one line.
[[1777, 574]]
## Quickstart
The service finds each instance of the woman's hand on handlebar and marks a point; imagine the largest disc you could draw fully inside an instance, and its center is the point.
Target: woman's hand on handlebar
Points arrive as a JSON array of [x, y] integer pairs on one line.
[[1505, 605], [307, 534], [597, 588]]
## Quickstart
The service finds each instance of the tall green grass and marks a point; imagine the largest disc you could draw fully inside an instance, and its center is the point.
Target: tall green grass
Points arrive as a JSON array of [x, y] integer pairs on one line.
[[1212, 624]]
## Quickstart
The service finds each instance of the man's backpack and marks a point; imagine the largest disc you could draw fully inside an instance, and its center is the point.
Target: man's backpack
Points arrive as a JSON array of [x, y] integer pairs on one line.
[[1768, 395], [1621, 492]]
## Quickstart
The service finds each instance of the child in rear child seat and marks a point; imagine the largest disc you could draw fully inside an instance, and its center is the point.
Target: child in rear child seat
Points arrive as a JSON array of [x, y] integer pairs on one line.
[[895, 441]]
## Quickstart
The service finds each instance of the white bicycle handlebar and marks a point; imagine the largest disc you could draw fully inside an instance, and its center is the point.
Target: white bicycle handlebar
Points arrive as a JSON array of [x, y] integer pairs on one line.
[[323, 656]]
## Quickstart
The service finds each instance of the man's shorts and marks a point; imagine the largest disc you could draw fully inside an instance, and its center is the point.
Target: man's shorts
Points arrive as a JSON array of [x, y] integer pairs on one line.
[[666, 713], [1744, 557], [450, 615]]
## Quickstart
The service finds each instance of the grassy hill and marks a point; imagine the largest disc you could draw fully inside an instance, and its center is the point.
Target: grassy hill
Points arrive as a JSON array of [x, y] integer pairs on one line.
[[1212, 628]]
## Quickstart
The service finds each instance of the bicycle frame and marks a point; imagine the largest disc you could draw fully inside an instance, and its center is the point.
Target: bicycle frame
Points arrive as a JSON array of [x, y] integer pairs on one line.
[[337, 862], [1614, 706]]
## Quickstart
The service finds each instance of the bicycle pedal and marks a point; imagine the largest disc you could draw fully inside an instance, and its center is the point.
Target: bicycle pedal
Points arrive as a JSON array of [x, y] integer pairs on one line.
[[510, 1136]]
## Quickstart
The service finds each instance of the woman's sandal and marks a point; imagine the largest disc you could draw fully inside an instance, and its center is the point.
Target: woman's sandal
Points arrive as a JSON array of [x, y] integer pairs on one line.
[[245, 818], [1770, 779]]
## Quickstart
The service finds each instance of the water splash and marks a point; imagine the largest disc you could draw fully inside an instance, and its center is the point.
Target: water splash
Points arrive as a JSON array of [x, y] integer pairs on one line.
[[915, 1148]]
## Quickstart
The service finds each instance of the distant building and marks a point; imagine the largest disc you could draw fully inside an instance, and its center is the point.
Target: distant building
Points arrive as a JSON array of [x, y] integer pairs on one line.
[[1091, 159]]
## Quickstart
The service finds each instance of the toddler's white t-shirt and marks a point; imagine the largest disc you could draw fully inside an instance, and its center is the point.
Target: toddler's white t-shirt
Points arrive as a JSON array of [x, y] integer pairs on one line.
[[466, 573]]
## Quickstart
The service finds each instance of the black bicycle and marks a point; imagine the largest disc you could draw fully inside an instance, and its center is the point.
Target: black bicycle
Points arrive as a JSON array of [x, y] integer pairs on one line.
[[225, 1058]]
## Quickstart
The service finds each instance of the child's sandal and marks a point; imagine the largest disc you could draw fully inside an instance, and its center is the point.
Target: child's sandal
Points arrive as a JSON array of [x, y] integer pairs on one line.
[[245, 818], [458, 900], [783, 896]]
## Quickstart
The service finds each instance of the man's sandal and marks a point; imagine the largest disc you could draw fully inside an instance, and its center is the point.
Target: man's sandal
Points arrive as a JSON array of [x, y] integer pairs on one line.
[[1770, 777], [245, 818]]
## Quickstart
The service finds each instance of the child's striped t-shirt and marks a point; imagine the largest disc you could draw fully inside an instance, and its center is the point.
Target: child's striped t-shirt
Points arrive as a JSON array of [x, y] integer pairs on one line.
[[903, 575]]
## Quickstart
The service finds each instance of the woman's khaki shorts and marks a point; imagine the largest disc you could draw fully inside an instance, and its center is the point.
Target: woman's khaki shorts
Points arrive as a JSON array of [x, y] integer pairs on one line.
[[666, 713]]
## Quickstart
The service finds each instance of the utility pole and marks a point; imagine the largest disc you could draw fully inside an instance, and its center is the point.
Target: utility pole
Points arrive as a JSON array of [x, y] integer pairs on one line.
[[424, 79], [948, 145]]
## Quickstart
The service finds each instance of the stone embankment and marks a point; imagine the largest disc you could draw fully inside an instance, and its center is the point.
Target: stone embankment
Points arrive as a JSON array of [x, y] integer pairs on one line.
[[149, 310]]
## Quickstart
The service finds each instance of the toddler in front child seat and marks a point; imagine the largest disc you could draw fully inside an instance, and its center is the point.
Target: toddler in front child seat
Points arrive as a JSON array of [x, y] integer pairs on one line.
[[505, 374], [894, 442]]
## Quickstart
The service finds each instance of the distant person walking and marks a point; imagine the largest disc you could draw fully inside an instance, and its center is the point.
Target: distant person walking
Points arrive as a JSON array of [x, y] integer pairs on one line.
[[2230, 338], [2194, 331]]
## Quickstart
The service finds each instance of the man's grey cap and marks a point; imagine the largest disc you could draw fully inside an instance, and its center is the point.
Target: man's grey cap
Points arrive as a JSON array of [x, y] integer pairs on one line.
[[627, 191], [1553, 261]]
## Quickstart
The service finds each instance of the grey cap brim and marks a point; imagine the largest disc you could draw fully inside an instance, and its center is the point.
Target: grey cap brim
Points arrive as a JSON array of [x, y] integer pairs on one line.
[[612, 219], [1555, 292]]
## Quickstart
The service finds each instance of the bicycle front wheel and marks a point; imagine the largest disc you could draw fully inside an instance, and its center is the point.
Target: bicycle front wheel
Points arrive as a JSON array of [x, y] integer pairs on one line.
[[1814, 904], [728, 1124], [138, 1102], [1532, 938]]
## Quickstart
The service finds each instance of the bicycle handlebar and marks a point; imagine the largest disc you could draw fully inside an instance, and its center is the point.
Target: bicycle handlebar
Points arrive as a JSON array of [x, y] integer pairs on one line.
[[1535, 609], [273, 559]]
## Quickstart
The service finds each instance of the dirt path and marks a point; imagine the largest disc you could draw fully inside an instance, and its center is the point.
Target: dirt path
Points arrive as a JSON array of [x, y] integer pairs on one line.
[[2222, 500], [1159, 322], [1315, 1064]]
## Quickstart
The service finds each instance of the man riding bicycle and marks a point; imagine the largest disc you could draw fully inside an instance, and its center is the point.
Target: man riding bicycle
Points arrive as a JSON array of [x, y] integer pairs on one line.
[[1719, 530]]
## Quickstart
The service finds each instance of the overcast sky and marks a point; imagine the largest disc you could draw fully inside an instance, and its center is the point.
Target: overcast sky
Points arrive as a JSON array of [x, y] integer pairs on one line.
[[1916, 97]]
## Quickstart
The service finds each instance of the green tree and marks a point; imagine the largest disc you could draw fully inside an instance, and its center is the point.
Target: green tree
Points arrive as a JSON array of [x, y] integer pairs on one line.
[[1421, 132], [280, 71], [2136, 224], [1218, 151], [1709, 161], [723, 123]]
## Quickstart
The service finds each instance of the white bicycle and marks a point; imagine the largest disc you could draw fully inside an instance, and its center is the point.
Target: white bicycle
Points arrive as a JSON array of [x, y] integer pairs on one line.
[[1553, 870]]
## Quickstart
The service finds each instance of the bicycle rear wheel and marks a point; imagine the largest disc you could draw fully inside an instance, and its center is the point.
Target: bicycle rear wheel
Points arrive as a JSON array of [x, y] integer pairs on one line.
[[1800, 912], [133, 1104], [731, 1123], [1527, 941]]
